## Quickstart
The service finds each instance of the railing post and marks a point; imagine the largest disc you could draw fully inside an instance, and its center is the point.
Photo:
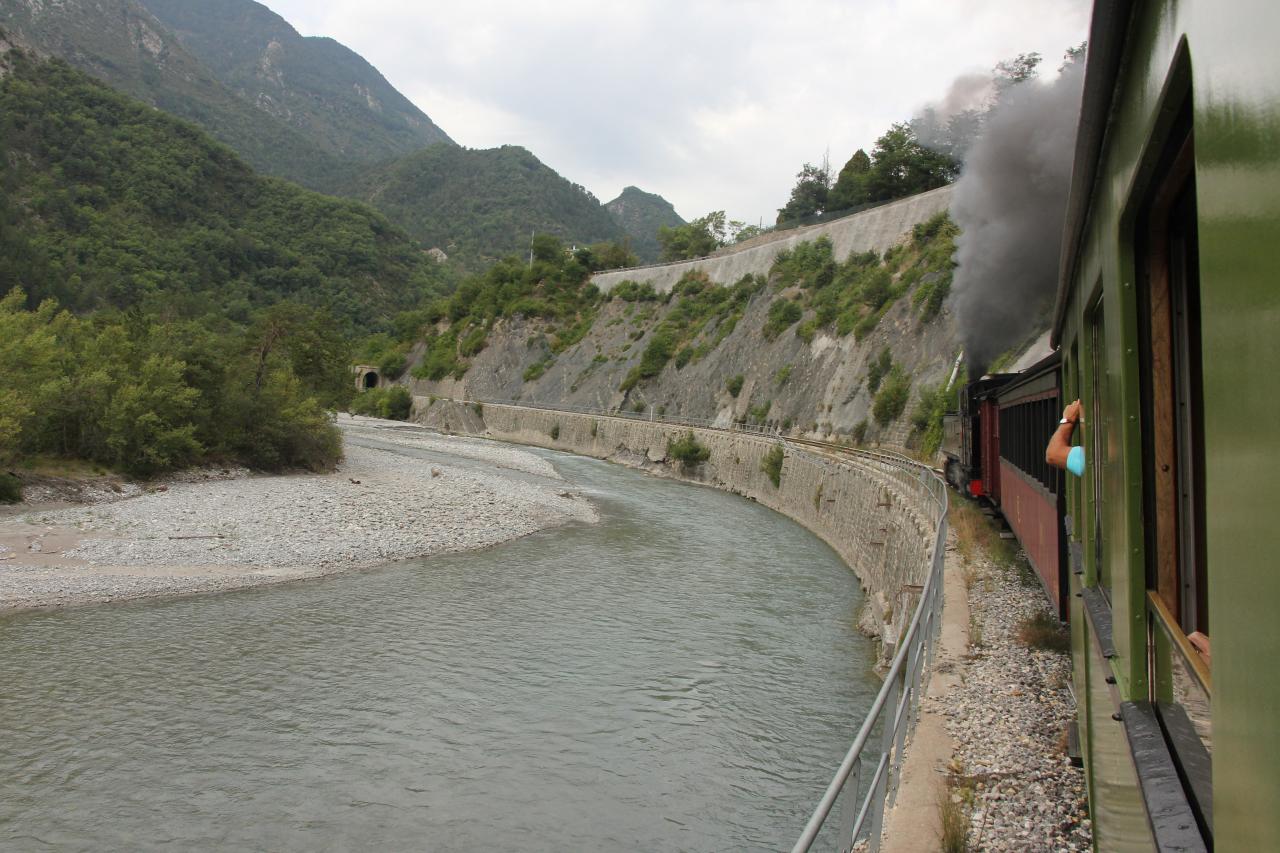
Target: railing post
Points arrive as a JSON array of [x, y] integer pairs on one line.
[[887, 715], [852, 805]]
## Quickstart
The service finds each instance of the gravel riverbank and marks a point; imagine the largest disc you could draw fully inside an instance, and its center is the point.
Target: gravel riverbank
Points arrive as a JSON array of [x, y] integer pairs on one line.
[[380, 506]]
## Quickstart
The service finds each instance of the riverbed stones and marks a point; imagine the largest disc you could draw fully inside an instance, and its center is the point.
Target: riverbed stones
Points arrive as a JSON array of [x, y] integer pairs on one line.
[[214, 534]]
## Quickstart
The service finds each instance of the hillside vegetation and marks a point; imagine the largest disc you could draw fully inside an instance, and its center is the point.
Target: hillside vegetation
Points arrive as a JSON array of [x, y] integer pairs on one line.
[[483, 204], [641, 214], [163, 305], [107, 203], [122, 44], [819, 346]]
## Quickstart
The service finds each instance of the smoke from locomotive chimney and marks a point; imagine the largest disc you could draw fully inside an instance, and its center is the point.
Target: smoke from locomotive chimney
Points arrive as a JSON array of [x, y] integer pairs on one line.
[[1010, 203]]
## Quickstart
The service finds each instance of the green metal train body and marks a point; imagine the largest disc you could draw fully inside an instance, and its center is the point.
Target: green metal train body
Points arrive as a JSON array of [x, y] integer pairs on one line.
[[1168, 319]]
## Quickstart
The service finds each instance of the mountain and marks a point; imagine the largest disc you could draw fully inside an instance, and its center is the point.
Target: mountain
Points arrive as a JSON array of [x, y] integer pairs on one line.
[[313, 85], [122, 44], [641, 214], [107, 203], [316, 113], [483, 203]]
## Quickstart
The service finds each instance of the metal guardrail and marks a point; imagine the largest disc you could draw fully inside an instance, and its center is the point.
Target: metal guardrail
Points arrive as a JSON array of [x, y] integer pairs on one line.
[[896, 707], [894, 711]]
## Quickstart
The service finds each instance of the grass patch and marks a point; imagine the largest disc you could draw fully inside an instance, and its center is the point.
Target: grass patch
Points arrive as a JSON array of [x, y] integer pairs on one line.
[[976, 534], [1043, 631], [953, 814], [877, 369], [10, 489], [772, 465], [687, 451], [392, 403], [892, 398], [783, 314], [859, 434], [534, 372], [758, 413], [554, 432], [734, 385]]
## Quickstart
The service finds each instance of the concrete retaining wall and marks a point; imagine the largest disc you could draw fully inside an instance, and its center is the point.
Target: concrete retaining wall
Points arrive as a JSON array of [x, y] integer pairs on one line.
[[877, 517], [878, 229]]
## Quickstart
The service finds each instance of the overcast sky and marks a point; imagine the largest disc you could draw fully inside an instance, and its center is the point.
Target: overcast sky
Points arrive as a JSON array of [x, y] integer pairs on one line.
[[713, 105]]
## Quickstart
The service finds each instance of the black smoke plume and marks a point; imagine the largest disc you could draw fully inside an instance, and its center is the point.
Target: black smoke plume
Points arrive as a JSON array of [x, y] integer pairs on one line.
[[1010, 203]]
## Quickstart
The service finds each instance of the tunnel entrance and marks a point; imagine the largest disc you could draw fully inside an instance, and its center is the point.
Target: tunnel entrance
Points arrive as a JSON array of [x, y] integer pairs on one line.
[[366, 376]]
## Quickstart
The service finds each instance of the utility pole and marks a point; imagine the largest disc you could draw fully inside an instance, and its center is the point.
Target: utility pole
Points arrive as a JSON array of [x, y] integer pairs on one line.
[[531, 248]]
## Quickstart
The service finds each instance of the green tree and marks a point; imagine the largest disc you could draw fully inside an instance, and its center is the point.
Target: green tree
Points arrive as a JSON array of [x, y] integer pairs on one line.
[[850, 189], [891, 401], [809, 195], [697, 239], [902, 166], [1011, 72]]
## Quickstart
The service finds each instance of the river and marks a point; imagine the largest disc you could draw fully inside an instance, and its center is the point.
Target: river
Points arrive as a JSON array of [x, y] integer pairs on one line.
[[683, 675]]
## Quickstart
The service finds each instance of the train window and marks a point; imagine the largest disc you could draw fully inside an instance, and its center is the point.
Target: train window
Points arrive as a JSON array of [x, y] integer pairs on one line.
[[1167, 261], [1173, 448]]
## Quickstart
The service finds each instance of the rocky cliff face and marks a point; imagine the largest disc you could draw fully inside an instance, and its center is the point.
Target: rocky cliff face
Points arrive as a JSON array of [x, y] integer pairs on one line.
[[314, 85], [807, 347], [121, 43]]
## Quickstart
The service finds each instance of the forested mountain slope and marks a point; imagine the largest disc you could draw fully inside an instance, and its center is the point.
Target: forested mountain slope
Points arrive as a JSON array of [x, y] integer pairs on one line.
[[314, 85], [641, 214], [483, 203], [107, 202], [122, 44], [212, 309], [314, 112]]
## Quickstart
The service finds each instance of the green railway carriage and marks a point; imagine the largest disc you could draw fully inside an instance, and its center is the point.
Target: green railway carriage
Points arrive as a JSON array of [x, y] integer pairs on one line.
[[1168, 319]]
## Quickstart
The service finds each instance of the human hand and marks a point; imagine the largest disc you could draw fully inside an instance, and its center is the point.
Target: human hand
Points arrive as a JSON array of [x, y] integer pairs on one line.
[[1200, 643], [1072, 412]]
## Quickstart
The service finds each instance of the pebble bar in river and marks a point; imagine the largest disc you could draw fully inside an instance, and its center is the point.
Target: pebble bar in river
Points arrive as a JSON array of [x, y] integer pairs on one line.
[[379, 507]]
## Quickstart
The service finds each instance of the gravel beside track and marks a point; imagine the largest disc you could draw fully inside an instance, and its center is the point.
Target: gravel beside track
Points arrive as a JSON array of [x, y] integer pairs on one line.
[[1008, 718], [188, 537]]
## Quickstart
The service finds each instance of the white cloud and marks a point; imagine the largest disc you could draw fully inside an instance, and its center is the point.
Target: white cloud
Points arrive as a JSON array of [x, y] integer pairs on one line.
[[711, 103]]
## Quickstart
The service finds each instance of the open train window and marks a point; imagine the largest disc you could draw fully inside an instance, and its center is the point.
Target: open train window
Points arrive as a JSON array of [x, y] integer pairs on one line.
[[1168, 266], [1172, 398]]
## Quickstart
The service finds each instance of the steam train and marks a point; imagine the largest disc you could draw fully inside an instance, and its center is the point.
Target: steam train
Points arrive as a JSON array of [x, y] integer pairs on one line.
[[1162, 556], [994, 450]]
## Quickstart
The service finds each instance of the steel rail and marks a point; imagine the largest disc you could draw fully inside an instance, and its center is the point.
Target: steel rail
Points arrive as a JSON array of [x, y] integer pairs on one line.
[[903, 680]]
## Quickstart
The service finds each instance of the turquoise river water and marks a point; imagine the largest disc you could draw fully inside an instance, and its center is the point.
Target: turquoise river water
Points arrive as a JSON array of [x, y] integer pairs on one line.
[[684, 675]]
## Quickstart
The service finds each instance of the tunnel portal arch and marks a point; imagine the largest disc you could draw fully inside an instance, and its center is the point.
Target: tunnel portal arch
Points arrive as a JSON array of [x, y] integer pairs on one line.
[[367, 376]]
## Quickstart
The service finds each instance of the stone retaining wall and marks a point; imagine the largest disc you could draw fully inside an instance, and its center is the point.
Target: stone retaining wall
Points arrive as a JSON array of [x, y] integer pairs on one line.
[[878, 229], [878, 517]]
